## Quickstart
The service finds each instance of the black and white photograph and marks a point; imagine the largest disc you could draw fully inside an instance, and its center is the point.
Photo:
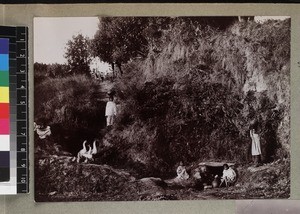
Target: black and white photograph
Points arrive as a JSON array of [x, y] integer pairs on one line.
[[161, 108]]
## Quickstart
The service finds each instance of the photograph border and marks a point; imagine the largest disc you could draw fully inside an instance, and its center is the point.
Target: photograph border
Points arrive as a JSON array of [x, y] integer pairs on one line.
[[16, 15]]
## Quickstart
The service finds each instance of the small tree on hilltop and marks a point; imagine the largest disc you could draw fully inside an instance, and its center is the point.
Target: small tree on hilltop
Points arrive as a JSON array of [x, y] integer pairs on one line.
[[78, 54], [120, 39]]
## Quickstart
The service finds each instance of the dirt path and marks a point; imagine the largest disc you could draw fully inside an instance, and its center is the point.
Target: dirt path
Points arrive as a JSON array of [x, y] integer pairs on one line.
[[105, 87]]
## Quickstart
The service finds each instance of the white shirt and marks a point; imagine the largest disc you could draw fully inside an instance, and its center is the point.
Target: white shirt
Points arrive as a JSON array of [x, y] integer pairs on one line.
[[229, 174], [43, 133], [181, 173], [111, 109]]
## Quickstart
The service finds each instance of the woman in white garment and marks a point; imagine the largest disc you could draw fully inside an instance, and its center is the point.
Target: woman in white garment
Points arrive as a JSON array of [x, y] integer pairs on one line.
[[255, 146]]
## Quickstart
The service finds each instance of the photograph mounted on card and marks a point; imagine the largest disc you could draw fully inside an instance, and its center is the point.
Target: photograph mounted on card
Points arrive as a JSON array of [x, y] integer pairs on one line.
[[161, 108]]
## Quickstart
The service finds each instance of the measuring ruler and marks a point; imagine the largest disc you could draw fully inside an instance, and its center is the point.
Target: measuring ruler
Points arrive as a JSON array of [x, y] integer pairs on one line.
[[22, 109], [18, 93]]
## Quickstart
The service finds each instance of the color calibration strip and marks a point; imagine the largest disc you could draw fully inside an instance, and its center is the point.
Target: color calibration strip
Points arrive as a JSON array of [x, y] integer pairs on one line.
[[4, 111]]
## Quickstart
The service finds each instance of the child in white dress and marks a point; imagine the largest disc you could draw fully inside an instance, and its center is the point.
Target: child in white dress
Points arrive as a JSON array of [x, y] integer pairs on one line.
[[110, 111], [255, 146]]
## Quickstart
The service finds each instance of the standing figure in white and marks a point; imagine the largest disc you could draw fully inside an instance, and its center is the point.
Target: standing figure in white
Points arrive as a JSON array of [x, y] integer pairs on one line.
[[255, 147], [110, 111]]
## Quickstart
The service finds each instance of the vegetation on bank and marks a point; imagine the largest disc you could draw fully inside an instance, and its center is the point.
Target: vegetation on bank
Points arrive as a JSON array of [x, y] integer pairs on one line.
[[195, 99], [189, 94]]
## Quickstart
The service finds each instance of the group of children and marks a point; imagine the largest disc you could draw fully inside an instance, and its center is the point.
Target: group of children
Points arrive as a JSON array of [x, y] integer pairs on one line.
[[203, 177], [229, 176]]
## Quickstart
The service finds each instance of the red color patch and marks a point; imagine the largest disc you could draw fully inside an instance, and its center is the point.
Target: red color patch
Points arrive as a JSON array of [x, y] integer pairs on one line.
[[4, 110]]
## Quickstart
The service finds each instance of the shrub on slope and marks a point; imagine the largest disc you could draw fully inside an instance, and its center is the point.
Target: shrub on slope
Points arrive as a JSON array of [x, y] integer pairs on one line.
[[72, 106], [197, 94]]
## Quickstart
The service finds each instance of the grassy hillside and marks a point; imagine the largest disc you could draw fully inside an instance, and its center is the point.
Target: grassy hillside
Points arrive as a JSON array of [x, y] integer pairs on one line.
[[195, 96], [191, 99]]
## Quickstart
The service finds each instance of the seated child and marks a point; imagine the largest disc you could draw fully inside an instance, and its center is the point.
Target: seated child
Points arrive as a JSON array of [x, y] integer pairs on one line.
[[181, 172], [229, 176], [197, 175], [42, 131]]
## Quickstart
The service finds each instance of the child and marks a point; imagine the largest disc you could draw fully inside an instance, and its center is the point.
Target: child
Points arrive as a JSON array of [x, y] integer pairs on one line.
[[255, 146], [41, 130], [110, 111], [197, 175], [181, 172], [229, 175]]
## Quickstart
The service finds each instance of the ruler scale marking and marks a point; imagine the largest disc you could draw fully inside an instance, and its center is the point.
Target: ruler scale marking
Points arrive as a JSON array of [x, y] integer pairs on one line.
[[18, 43]]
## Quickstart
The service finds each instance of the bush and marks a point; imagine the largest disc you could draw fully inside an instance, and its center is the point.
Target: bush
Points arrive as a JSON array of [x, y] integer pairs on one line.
[[72, 107], [195, 98]]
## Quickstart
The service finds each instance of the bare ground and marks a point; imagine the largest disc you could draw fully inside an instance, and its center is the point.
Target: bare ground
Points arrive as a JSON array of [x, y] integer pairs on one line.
[[63, 179]]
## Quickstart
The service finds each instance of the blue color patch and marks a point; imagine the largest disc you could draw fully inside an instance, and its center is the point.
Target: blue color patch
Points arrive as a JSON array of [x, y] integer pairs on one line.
[[4, 45], [4, 62]]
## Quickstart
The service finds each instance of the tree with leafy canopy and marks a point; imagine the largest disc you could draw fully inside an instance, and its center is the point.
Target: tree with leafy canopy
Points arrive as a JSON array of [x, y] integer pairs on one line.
[[119, 39], [78, 54]]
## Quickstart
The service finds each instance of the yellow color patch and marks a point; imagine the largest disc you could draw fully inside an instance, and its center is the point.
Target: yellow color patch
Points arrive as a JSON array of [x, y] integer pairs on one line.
[[4, 95]]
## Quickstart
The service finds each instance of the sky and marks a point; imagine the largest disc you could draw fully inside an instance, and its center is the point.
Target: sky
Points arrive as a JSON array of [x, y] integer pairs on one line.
[[52, 34]]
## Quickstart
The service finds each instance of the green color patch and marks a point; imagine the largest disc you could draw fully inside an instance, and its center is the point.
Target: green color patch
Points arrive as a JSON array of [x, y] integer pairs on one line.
[[4, 79]]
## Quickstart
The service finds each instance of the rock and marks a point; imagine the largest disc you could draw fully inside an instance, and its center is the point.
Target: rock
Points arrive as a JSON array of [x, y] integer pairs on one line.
[[175, 182], [216, 164], [153, 180], [52, 193], [256, 169], [150, 188], [208, 187]]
